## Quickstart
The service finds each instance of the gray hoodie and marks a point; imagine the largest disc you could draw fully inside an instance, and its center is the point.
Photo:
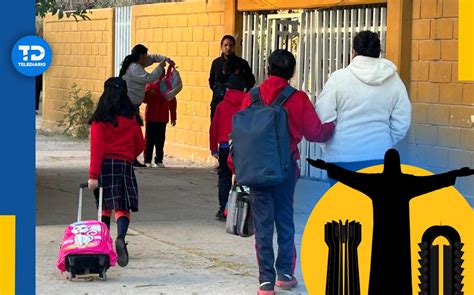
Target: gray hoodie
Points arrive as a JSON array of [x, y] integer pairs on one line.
[[136, 78]]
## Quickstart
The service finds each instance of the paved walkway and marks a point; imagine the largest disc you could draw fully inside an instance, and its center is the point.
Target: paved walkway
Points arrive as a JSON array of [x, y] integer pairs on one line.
[[175, 245]]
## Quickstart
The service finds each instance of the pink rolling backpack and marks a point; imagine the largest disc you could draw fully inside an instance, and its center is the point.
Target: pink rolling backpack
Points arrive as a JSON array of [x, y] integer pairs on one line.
[[86, 248]]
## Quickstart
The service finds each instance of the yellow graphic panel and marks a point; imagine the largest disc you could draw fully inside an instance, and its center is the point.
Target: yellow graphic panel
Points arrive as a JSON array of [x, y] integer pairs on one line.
[[466, 40], [7, 255], [445, 207]]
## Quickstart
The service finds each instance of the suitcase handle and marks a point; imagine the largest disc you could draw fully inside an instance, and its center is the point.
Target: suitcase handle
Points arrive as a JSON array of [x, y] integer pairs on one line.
[[82, 186], [241, 187]]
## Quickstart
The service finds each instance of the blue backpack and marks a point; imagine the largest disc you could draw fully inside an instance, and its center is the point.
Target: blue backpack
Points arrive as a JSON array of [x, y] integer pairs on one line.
[[261, 141]]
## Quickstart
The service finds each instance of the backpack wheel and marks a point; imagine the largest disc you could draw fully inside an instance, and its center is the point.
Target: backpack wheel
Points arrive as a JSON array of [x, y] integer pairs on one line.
[[71, 276], [103, 275]]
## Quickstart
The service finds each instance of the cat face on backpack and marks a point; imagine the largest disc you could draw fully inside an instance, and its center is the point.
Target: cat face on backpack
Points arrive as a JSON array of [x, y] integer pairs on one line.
[[80, 229]]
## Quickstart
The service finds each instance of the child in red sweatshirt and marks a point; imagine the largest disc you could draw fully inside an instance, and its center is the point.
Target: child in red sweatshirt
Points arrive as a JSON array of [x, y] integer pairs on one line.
[[157, 115], [221, 127], [116, 140], [272, 206]]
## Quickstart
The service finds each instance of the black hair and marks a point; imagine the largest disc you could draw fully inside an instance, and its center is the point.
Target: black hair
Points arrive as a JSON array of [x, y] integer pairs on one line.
[[235, 82], [137, 51], [230, 37], [113, 102], [281, 63], [230, 66], [367, 43]]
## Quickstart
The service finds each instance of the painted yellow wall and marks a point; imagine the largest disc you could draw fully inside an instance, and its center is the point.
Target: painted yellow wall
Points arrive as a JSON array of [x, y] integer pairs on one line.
[[82, 53], [190, 34]]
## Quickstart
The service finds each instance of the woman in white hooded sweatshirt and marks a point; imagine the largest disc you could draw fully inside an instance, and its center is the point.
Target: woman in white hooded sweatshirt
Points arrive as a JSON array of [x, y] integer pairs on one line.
[[370, 105]]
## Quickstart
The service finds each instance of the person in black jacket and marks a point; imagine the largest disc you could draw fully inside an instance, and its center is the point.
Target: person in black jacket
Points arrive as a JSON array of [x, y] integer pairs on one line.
[[217, 76]]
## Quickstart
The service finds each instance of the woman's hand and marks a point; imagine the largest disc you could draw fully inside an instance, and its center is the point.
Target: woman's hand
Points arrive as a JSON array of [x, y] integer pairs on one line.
[[170, 62], [162, 63], [93, 183], [215, 155], [173, 123]]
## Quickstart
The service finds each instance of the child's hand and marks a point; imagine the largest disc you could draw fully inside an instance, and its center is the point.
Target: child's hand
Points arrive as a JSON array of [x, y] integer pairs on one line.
[[215, 155], [93, 183], [173, 123]]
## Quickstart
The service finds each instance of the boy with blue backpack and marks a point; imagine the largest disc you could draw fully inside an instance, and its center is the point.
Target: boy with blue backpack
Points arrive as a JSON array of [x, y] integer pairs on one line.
[[265, 134]]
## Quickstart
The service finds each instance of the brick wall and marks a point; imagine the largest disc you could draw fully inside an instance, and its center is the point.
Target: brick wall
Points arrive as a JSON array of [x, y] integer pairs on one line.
[[82, 53], [190, 34], [441, 136]]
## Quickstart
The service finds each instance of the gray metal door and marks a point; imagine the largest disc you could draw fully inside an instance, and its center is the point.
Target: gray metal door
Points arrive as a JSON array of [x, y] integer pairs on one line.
[[122, 36]]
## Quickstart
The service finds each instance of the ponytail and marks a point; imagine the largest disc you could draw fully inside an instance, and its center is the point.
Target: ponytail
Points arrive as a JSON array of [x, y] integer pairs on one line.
[[126, 62]]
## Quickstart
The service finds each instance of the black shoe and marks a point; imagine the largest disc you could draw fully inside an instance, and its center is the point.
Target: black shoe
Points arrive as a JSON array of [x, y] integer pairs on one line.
[[121, 248], [138, 164], [220, 215]]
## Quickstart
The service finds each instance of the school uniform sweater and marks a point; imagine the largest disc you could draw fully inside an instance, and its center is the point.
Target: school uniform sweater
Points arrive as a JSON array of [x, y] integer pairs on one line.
[[124, 142], [158, 108], [302, 118], [221, 125]]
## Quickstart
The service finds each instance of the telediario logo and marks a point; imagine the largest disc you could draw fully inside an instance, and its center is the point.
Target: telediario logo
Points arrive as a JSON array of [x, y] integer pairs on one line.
[[31, 55]]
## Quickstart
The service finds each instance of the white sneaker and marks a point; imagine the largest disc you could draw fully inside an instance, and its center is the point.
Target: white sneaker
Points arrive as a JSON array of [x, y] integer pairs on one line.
[[159, 165], [148, 165]]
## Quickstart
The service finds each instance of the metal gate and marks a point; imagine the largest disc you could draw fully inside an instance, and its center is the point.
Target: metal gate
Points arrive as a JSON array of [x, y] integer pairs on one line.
[[123, 36], [320, 39]]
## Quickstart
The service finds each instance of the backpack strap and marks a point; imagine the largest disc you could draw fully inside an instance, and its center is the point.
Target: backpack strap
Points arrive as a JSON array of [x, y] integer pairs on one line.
[[255, 96], [284, 95]]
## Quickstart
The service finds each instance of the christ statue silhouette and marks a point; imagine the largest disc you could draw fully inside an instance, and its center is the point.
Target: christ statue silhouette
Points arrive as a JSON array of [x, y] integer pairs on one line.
[[391, 192]]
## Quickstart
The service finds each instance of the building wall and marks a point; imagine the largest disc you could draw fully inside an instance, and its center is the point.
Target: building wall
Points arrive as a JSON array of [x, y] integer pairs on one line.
[[190, 33], [441, 136], [82, 53]]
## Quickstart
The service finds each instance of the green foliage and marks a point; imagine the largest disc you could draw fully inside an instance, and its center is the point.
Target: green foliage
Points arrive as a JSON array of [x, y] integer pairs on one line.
[[78, 110], [44, 7]]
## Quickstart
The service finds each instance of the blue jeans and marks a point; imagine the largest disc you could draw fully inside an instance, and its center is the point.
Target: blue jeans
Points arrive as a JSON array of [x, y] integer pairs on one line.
[[354, 166], [273, 206]]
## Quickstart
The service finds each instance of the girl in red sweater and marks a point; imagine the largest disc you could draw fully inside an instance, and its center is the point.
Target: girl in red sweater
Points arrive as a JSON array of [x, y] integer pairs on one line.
[[157, 115], [116, 140]]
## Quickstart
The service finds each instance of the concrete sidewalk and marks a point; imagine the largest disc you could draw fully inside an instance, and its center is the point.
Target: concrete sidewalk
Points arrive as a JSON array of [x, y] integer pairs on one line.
[[175, 244]]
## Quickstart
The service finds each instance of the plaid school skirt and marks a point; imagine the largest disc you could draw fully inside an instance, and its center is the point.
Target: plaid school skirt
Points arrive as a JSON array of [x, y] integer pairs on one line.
[[120, 190]]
